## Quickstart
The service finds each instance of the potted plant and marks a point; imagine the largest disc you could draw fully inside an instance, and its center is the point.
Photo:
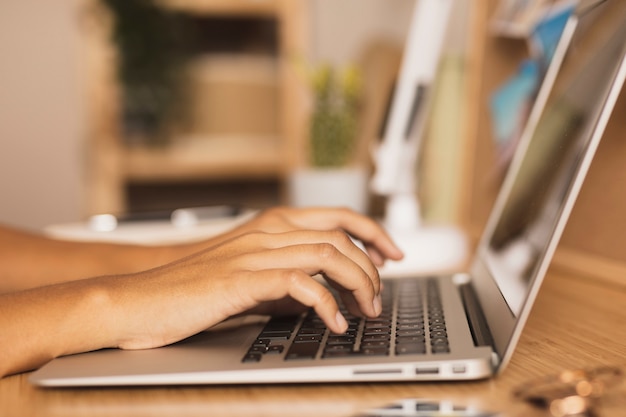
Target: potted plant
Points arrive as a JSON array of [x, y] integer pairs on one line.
[[332, 178], [151, 45]]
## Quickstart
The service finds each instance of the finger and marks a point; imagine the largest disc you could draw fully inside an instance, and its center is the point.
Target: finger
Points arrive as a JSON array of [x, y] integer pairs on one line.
[[313, 258], [350, 304], [283, 306], [377, 258], [337, 238], [273, 284], [360, 226]]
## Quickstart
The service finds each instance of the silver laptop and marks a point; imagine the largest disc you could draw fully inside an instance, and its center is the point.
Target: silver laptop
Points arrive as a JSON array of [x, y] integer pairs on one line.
[[454, 327]]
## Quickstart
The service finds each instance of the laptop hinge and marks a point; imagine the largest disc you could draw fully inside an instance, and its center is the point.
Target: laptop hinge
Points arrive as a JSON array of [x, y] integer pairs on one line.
[[475, 316]]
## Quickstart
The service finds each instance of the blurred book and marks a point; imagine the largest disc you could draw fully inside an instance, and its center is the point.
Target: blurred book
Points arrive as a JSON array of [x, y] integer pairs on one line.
[[510, 104]]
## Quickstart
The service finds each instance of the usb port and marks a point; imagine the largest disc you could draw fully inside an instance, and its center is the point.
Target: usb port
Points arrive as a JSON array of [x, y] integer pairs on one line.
[[426, 371]]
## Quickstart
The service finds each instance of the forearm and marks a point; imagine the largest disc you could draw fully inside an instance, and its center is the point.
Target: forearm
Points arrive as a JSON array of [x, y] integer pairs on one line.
[[131, 311], [30, 260], [41, 324]]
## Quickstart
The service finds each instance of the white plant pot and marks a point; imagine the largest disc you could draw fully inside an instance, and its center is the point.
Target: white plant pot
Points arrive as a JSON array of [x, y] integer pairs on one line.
[[329, 187]]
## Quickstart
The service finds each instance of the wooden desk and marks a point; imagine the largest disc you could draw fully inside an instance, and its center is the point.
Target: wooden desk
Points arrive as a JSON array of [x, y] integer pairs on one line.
[[577, 322]]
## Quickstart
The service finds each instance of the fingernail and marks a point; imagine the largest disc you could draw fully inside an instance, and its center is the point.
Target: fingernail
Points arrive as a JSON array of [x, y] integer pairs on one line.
[[341, 321], [378, 305]]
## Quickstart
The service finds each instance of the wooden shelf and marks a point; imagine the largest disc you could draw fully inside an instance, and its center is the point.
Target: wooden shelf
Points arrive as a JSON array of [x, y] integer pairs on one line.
[[209, 157]]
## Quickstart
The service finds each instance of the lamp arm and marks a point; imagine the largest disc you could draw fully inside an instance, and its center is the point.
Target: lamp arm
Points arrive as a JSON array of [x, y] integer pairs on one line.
[[396, 156]]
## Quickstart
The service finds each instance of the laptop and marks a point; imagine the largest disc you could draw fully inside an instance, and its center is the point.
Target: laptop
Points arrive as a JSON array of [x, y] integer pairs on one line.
[[459, 326]]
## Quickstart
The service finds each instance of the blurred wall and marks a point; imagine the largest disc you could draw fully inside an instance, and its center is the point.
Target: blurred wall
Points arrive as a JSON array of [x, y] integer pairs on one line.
[[41, 124]]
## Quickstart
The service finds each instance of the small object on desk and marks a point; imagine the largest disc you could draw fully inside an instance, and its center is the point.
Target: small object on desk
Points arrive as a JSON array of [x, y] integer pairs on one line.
[[189, 217], [578, 392], [158, 227], [182, 217]]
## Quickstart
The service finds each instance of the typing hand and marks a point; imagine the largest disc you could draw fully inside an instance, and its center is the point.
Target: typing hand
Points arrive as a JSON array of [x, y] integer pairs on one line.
[[263, 266], [257, 272]]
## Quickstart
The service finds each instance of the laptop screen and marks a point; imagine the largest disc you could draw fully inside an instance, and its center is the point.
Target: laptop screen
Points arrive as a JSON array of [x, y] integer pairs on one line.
[[518, 240]]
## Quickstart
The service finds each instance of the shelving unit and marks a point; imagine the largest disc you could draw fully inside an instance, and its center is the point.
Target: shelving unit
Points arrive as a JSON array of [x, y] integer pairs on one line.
[[260, 145]]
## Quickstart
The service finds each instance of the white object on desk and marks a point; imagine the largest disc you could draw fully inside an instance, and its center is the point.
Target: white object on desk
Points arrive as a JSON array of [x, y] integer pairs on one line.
[[429, 249], [179, 229]]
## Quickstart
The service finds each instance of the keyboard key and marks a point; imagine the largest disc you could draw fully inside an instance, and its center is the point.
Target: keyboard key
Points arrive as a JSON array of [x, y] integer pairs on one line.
[[261, 343], [434, 321], [379, 319], [375, 337], [410, 349], [275, 335], [412, 326], [412, 332], [311, 331], [403, 316], [339, 340], [374, 351], [438, 334], [302, 351], [382, 330], [337, 354], [258, 349], [378, 325], [379, 344], [441, 349], [275, 350], [348, 347], [410, 339], [252, 357], [309, 338]]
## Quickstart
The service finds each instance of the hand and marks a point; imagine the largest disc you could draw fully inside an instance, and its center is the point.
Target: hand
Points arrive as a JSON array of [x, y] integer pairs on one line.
[[257, 272], [264, 266], [376, 241]]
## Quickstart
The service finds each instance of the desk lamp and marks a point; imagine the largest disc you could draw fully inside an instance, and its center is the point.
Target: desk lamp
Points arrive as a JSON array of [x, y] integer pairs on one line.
[[427, 248]]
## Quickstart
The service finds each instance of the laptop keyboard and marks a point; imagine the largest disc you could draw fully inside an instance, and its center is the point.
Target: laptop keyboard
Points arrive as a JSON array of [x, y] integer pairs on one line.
[[412, 322]]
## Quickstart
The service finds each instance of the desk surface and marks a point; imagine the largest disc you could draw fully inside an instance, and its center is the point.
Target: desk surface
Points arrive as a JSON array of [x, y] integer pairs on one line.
[[577, 322]]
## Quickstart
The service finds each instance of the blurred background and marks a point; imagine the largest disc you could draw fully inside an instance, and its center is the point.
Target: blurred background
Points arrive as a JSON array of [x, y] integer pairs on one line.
[[42, 115], [118, 106], [140, 105]]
